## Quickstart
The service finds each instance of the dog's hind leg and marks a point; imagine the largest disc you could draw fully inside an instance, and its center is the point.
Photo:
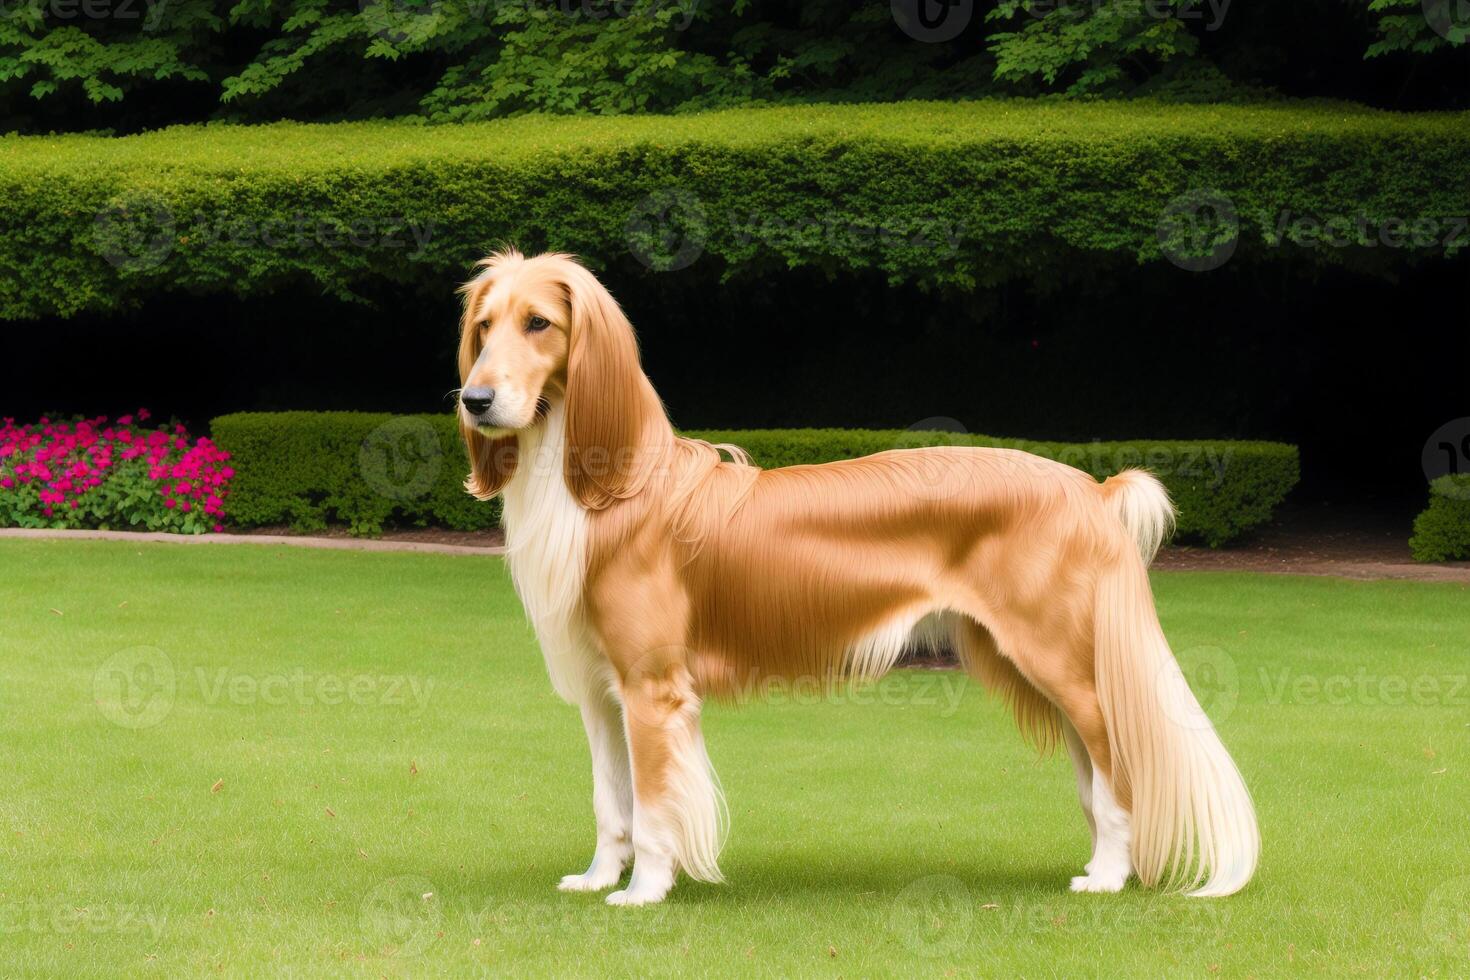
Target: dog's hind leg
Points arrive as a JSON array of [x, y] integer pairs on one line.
[[1067, 681], [612, 796], [1083, 766], [1055, 697]]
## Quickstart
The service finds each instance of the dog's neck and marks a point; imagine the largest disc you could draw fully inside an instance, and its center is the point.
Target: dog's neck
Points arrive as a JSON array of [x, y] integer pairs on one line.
[[545, 527]]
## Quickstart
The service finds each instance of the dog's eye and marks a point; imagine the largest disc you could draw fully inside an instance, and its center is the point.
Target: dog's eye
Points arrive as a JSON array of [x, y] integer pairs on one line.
[[537, 324]]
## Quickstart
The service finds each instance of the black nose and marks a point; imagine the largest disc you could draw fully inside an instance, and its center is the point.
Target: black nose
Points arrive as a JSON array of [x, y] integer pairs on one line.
[[477, 400]]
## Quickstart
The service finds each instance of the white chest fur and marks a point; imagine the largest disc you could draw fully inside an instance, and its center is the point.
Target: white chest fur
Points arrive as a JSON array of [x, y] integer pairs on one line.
[[546, 549]]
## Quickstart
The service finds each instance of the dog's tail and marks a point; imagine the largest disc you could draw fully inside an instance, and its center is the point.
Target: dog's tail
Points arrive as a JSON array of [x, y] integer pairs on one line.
[[1194, 827]]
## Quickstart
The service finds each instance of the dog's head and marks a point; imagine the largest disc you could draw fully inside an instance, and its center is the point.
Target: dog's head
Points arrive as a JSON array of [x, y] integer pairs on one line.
[[541, 329]]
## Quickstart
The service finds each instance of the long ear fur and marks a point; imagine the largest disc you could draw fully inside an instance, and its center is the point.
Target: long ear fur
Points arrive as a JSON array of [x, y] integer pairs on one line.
[[615, 424], [492, 461]]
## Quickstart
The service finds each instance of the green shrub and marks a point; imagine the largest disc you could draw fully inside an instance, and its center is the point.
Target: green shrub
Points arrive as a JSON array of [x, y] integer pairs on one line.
[[1442, 531], [308, 469], [956, 195], [362, 469], [1222, 488]]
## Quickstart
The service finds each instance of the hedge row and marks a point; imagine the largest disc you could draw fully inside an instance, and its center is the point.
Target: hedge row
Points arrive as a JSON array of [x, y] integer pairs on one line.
[[308, 469], [1442, 532], [948, 194]]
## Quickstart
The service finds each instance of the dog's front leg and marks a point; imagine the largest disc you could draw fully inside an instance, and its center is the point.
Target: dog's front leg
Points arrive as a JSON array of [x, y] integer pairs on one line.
[[612, 796], [677, 807]]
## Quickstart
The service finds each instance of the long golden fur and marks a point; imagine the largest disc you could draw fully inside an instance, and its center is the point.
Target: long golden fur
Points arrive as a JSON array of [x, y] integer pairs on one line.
[[658, 574]]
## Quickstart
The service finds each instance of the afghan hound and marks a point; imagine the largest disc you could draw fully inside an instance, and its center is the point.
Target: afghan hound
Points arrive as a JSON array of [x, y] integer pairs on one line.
[[657, 573]]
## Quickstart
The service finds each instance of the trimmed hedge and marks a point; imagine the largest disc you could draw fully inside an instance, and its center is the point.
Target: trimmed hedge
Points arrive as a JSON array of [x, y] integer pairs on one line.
[[362, 469], [308, 469], [941, 194], [1442, 531], [1222, 488]]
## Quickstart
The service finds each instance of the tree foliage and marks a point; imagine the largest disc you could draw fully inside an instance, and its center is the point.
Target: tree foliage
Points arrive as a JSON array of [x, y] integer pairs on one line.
[[132, 64]]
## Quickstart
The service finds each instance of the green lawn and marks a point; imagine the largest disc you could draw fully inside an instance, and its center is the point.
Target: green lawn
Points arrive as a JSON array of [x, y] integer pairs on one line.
[[349, 733]]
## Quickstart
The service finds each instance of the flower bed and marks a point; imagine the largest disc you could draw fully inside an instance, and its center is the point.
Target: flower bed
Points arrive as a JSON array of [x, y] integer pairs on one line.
[[89, 473]]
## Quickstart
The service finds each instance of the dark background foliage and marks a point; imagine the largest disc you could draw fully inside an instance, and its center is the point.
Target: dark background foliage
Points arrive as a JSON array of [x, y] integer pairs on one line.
[[136, 64], [1358, 372]]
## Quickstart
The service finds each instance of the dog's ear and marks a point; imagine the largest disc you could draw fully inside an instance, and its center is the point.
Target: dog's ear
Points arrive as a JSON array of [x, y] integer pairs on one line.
[[492, 461], [609, 401]]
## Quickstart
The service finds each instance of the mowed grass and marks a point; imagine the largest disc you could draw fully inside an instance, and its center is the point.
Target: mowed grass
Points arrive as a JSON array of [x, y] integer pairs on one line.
[[255, 760]]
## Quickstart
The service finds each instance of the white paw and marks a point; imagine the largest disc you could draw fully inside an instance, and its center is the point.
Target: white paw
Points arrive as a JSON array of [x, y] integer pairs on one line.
[[1099, 883], [590, 881], [636, 896]]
